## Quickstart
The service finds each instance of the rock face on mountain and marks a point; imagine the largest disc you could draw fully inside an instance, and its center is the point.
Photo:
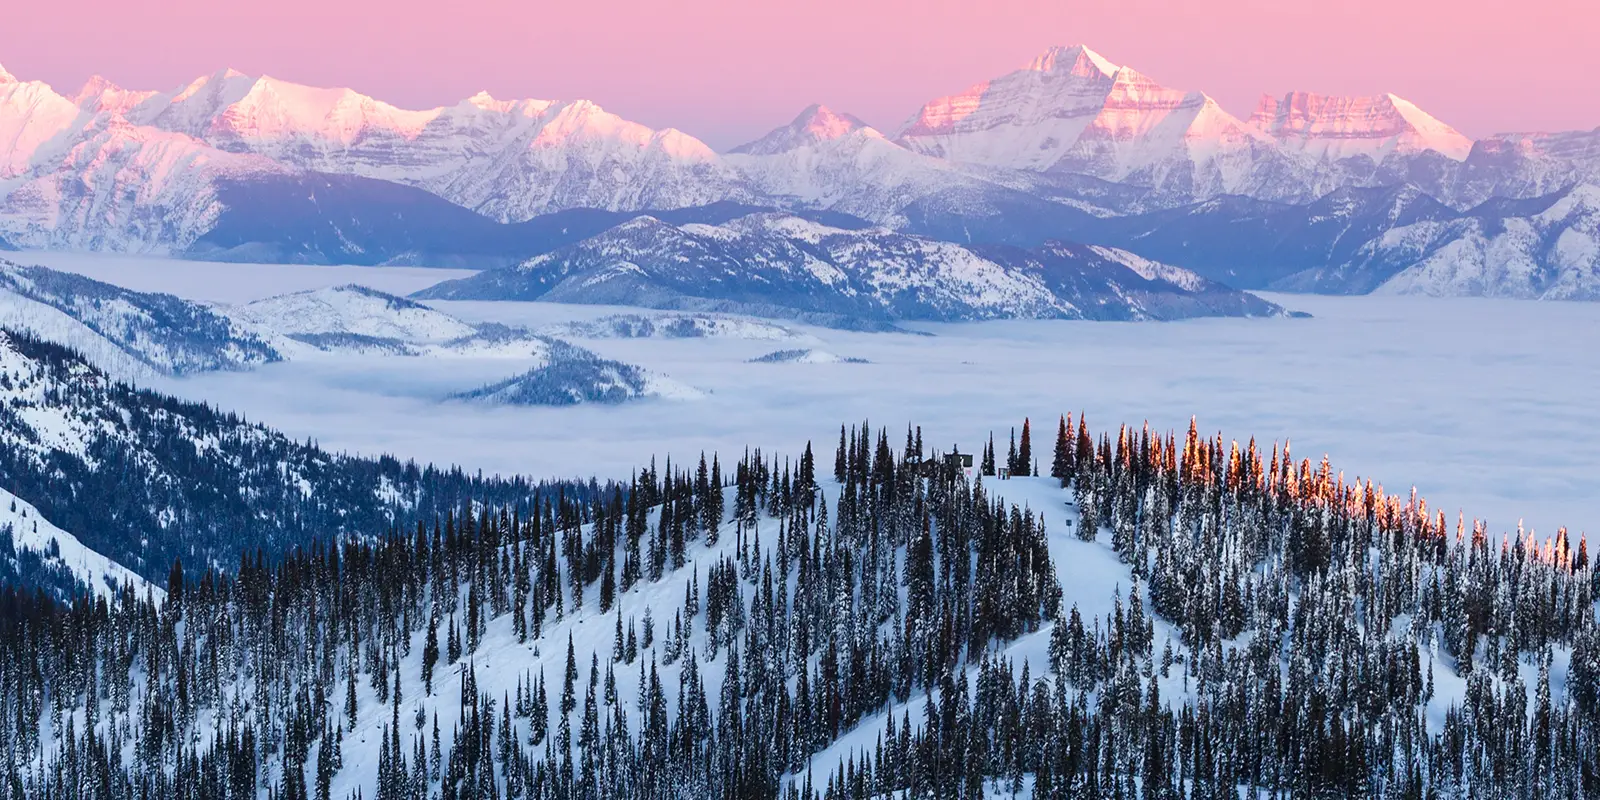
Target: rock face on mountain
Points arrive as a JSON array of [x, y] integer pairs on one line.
[[1336, 128], [1070, 110], [782, 266]]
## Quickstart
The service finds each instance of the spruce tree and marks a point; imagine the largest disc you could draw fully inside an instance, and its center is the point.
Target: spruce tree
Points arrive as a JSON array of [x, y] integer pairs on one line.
[[1024, 453]]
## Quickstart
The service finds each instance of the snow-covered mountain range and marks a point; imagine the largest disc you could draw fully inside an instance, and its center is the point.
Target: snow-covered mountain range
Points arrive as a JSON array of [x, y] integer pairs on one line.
[[1545, 248], [232, 166], [782, 266]]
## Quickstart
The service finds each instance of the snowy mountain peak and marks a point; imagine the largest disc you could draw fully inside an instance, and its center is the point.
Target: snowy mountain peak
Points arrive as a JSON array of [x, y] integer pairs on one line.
[[1073, 111], [274, 108], [99, 94], [1076, 60], [6, 77], [817, 123], [96, 86], [223, 80], [1337, 127], [190, 109], [483, 101]]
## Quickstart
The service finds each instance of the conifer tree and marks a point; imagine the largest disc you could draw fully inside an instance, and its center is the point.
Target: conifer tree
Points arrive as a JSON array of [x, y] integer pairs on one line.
[[1024, 466]]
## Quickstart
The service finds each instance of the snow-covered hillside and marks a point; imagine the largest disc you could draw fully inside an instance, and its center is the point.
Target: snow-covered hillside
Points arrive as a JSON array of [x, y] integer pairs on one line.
[[142, 478], [131, 334], [1543, 249], [29, 531], [355, 311], [569, 375], [782, 266], [892, 625], [673, 326], [825, 159], [90, 179], [805, 356]]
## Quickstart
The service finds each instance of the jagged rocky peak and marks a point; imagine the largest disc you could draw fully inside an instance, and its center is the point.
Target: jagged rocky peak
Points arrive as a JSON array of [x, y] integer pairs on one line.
[[1061, 82], [1072, 110], [817, 123], [99, 94], [1074, 59], [1345, 126], [189, 110]]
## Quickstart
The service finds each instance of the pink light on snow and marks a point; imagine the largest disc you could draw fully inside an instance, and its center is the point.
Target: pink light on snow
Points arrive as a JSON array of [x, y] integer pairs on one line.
[[729, 70]]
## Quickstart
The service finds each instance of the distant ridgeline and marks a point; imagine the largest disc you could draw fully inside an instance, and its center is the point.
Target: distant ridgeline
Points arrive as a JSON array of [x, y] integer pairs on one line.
[[891, 629]]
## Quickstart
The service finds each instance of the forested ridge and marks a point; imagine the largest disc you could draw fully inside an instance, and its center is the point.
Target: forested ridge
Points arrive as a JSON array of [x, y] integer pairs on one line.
[[145, 478], [771, 629]]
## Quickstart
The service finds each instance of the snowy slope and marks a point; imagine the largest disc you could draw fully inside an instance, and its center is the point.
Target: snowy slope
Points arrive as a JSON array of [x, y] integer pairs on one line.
[[143, 478], [355, 320], [139, 171], [824, 159], [32, 115], [569, 375], [239, 167], [88, 178], [352, 310], [1548, 248], [130, 334], [30, 531], [1252, 244], [1526, 165], [501, 662]]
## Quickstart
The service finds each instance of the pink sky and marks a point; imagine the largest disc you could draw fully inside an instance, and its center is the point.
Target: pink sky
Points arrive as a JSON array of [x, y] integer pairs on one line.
[[727, 70]]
